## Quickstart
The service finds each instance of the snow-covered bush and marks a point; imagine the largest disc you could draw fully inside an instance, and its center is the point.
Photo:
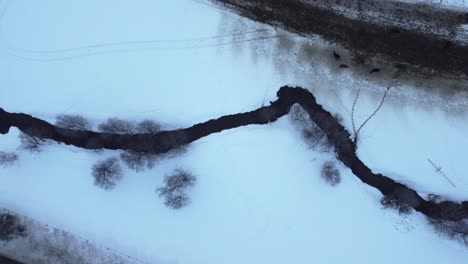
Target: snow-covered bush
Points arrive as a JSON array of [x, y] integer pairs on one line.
[[31, 143], [10, 227], [107, 173], [330, 173], [148, 126], [75, 122], [115, 125], [138, 161], [7, 158], [174, 189], [390, 202]]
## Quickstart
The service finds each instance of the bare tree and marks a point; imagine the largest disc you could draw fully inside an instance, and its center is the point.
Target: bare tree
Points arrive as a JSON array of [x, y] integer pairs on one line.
[[356, 131], [74, 122], [7, 158], [174, 189], [148, 126], [138, 161], [311, 133], [330, 173], [31, 143], [176, 200], [10, 227], [107, 173], [115, 125]]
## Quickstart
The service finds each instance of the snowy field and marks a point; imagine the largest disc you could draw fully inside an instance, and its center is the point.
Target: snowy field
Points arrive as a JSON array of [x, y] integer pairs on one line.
[[259, 197], [446, 3]]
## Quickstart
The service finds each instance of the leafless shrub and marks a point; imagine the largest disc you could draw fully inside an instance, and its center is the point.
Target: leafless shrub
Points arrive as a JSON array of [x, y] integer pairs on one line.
[[330, 173], [148, 126], [174, 189], [457, 231], [10, 227], [31, 143], [176, 200], [314, 137], [138, 161], [115, 125], [356, 129], [390, 202], [74, 122], [311, 133], [7, 158], [107, 173]]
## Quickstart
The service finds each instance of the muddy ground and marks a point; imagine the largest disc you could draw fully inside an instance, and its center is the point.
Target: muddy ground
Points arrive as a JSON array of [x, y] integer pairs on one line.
[[418, 38]]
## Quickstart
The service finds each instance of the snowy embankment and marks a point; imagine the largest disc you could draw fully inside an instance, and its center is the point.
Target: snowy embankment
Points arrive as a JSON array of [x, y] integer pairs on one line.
[[45, 244], [259, 196]]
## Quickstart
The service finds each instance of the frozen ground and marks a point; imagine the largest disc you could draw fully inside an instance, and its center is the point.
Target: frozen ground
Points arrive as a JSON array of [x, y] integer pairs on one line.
[[448, 3], [259, 197], [47, 245]]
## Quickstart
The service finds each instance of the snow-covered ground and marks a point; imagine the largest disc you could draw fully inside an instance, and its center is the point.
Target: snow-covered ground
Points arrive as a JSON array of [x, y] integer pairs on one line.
[[259, 197], [446, 3]]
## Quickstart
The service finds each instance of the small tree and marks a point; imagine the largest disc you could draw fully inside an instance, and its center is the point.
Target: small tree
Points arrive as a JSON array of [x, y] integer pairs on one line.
[[311, 133], [74, 122], [174, 189], [7, 158], [107, 173], [138, 161], [115, 125], [330, 173], [31, 143], [356, 129], [10, 227], [148, 126]]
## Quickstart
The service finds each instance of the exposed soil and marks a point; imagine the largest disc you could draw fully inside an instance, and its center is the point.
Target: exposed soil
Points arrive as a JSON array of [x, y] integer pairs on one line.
[[414, 36]]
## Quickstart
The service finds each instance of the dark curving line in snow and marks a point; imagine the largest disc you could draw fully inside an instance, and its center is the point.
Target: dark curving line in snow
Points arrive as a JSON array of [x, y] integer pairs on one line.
[[164, 141]]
